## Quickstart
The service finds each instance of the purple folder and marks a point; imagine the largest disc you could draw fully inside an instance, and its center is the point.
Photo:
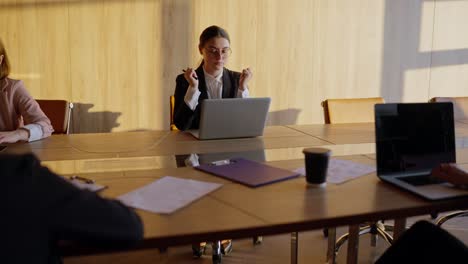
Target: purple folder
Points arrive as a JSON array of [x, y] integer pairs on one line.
[[247, 172]]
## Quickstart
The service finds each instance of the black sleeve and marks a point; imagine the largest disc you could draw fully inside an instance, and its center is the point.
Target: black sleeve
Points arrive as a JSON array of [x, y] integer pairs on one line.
[[425, 242], [83, 216], [66, 212], [183, 116]]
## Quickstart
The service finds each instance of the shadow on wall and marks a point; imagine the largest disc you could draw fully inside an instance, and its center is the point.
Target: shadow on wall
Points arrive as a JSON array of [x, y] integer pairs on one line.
[[84, 121], [283, 117]]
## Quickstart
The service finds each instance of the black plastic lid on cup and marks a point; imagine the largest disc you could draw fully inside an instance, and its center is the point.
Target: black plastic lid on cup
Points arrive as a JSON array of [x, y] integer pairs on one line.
[[320, 151]]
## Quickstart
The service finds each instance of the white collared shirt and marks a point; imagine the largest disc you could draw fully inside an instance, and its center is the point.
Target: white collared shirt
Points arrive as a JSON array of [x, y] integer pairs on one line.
[[214, 87]]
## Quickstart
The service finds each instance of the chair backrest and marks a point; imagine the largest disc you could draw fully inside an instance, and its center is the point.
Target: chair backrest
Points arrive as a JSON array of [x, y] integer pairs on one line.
[[460, 106], [59, 113], [171, 104], [353, 110]]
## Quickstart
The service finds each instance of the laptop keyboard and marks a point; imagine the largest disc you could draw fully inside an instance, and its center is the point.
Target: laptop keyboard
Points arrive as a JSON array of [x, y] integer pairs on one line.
[[421, 180]]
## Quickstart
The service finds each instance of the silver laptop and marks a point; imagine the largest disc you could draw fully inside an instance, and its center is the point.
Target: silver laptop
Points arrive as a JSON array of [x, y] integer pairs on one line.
[[411, 139], [232, 118]]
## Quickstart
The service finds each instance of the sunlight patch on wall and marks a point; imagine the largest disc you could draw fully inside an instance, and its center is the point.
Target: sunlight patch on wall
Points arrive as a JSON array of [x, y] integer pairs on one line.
[[415, 83], [25, 76], [450, 24], [449, 80]]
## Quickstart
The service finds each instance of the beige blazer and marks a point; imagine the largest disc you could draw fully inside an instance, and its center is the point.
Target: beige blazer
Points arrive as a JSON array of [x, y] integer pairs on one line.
[[18, 108]]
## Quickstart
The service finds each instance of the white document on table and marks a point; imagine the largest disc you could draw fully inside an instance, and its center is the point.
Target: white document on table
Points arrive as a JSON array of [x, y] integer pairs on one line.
[[167, 194], [340, 171]]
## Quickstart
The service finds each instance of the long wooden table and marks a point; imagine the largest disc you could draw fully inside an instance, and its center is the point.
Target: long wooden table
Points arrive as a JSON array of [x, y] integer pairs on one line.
[[163, 143], [279, 208], [125, 161]]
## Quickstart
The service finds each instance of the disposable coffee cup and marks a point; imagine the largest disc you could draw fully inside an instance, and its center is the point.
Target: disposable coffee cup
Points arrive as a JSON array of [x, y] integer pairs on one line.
[[316, 165]]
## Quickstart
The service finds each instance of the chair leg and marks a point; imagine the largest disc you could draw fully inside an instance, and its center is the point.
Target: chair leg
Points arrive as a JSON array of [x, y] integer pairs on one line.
[[445, 218], [257, 240], [325, 232], [373, 232], [294, 247], [353, 244], [331, 254], [226, 246], [387, 228], [198, 249], [377, 229], [217, 254], [380, 229], [340, 241], [386, 236]]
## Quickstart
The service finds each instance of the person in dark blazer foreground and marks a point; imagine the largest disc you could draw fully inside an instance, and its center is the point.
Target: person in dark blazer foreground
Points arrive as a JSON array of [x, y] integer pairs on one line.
[[211, 80], [39, 209], [425, 242]]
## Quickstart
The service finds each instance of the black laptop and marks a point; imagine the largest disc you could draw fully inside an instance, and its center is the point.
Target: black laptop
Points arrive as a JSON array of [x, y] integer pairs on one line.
[[411, 139]]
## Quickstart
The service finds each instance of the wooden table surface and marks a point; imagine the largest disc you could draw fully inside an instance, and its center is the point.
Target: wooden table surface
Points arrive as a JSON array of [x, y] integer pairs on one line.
[[127, 160], [237, 211]]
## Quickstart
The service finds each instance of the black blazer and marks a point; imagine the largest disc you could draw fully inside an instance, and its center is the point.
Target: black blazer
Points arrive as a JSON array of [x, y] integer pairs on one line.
[[184, 117], [39, 208]]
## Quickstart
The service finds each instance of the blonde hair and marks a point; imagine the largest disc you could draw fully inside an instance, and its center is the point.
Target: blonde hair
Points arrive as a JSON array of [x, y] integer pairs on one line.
[[5, 65]]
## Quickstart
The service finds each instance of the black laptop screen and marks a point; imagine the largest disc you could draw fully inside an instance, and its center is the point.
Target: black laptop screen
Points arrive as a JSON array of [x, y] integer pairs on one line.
[[413, 137]]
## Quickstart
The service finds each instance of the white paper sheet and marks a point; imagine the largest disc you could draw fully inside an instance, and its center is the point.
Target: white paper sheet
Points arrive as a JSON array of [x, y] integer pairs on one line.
[[167, 194], [340, 171]]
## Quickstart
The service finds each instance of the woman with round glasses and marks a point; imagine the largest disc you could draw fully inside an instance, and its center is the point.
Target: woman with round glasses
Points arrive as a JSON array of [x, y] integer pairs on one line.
[[211, 80]]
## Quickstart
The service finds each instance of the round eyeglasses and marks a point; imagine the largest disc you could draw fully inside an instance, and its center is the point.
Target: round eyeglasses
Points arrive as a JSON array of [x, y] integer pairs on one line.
[[224, 52]]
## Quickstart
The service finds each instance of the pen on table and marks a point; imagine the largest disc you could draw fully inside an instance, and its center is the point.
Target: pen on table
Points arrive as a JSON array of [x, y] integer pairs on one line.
[[221, 162], [85, 180], [196, 78]]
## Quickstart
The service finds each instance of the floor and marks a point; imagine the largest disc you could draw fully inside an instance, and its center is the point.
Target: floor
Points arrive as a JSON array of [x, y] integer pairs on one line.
[[273, 250]]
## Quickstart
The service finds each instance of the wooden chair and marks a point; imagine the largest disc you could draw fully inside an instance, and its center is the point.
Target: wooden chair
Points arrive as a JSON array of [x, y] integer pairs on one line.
[[460, 111], [171, 105], [353, 110], [460, 105], [59, 113]]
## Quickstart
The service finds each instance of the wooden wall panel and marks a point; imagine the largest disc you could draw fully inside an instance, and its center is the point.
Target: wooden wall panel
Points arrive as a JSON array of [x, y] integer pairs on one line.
[[177, 50], [347, 52], [150, 108], [284, 57], [103, 53], [36, 37], [118, 59], [449, 74]]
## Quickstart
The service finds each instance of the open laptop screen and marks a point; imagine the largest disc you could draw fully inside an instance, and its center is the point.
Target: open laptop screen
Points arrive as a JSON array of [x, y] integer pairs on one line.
[[413, 137], [233, 117]]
